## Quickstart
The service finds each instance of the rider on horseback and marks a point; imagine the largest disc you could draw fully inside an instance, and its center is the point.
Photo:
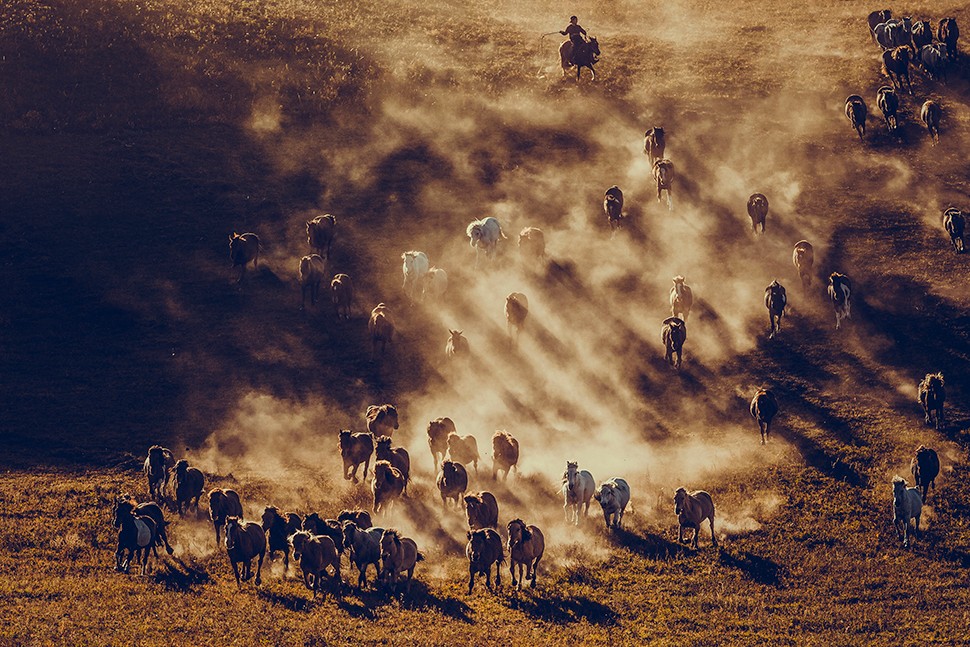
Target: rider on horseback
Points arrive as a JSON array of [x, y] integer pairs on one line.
[[576, 37]]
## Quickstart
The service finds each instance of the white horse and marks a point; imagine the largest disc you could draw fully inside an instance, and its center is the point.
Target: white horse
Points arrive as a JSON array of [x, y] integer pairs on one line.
[[681, 299], [577, 490], [907, 504], [484, 235], [415, 268], [435, 283], [614, 496]]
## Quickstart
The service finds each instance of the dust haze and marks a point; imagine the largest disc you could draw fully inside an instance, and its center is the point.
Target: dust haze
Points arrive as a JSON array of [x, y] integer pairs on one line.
[[441, 143]]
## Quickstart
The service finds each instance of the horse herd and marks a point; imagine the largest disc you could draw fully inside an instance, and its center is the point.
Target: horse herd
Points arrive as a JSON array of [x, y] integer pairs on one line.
[[317, 543], [903, 43]]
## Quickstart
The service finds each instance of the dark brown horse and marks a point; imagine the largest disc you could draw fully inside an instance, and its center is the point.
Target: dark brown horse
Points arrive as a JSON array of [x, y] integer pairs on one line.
[[932, 395], [856, 111], [581, 55], [244, 541], [775, 300], [925, 467], [137, 535], [764, 407], [673, 333]]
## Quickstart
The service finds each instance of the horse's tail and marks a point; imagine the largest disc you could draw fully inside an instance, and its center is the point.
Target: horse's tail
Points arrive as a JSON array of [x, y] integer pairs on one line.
[[419, 558]]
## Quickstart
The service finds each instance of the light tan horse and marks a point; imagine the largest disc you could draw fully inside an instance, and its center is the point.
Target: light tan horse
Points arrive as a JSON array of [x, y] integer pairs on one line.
[[692, 509], [526, 545]]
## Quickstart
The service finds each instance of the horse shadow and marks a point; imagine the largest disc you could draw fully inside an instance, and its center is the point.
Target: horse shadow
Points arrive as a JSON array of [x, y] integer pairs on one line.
[[816, 456], [648, 546], [756, 568], [420, 597], [290, 601], [562, 610], [181, 577]]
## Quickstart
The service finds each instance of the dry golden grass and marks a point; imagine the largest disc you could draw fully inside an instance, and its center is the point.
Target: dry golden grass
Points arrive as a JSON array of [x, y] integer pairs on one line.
[[145, 129]]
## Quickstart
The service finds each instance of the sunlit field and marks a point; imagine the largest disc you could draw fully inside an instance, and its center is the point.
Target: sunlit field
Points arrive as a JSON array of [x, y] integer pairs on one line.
[[138, 136]]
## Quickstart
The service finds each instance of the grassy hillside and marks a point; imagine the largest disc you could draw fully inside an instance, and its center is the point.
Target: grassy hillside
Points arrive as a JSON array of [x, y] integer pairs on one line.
[[138, 135]]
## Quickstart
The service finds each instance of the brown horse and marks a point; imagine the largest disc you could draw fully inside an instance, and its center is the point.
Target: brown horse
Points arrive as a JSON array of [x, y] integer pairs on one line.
[[803, 258], [932, 395], [223, 503], [505, 453], [673, 333], [758, 211], [315, 555], [137, 536], [398, 555], [438, 430], [692, 509], [355, 448], [526, 546], [320, 232], [583, 55], [244, 248], [452, 481], [775, 300], [855, 112], [925, 467], [763, 409], [244, 541], [484, 548]]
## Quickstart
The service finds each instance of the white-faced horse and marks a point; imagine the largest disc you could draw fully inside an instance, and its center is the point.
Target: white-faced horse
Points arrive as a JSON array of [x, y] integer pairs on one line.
[[577, 490]]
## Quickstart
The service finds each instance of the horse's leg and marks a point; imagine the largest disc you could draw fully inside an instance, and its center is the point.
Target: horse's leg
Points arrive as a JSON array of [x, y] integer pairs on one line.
[[471, 578], [259, 569], [512, 564], [286, 560], [535, 571], [498, 573], [235, 571], [713, 536], [680, 534]]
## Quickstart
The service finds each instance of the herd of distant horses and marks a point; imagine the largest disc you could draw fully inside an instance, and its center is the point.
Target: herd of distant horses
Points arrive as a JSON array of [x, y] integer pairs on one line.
[[318, 544]]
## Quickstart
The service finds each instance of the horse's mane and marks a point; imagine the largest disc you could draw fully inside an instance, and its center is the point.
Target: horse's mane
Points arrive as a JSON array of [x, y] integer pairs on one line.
[[472, 226], [898, 479], [394, 534]]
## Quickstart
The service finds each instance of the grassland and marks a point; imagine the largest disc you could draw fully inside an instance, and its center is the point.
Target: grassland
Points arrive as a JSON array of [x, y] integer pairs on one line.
[[136, 135]]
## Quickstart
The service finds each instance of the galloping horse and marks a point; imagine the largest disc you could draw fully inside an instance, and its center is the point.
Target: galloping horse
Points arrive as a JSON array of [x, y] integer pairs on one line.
[[585, 55]]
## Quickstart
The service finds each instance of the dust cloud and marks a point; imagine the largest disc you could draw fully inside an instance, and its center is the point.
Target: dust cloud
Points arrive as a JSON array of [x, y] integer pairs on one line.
[[586, 380]]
